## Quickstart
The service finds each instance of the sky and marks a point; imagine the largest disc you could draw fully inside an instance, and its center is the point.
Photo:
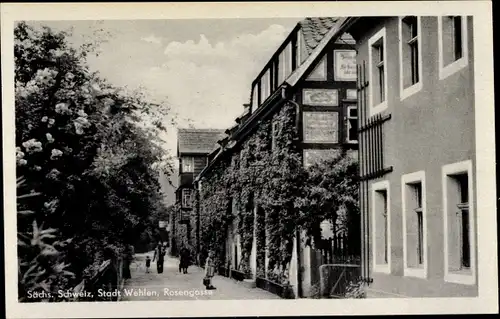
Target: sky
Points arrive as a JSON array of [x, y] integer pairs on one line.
[[204, 68]]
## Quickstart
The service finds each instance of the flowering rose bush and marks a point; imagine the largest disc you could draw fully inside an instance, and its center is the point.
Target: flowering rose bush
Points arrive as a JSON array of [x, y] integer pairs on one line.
[[87, 148]]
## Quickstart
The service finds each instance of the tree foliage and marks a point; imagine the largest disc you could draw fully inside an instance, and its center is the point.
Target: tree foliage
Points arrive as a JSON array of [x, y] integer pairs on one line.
[[91, 150]]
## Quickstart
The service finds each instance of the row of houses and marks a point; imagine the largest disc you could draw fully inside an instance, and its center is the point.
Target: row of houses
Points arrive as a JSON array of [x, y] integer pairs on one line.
[[397, 94]]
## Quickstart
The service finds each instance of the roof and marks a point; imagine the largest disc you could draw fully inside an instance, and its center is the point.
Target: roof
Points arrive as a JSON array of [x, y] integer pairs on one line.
[[315, 29], [335, 31], [199, 141], [318, 32]]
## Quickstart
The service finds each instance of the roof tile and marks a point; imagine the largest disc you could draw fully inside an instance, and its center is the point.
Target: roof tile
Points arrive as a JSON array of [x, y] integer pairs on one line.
[[314, 29]]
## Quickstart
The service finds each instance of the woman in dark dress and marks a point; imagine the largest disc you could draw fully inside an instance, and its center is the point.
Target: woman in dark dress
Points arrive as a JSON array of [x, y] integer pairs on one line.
[[158, 256], [184, 260]]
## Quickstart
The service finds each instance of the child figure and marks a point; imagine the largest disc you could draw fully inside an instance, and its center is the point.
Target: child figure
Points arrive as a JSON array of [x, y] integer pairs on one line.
[[209, 271], [148, 263]]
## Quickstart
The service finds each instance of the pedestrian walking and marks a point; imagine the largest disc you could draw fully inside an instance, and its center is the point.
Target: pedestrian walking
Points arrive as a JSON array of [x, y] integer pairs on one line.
[[159, 257], [184, 260], [129, 257], [148, 263], [209, 271]]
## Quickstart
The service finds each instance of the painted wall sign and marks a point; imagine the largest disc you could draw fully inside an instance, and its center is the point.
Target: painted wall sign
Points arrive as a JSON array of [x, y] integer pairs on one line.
[[324, 97], [319, 72], [314, 156], [345, 65], [321, 127], [351, 94]]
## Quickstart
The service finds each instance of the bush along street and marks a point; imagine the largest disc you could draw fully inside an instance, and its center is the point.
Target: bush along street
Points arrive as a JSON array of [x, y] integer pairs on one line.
[[90, 153]]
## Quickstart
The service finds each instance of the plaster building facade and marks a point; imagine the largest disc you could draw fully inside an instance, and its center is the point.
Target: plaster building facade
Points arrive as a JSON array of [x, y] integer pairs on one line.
[[417, 154]]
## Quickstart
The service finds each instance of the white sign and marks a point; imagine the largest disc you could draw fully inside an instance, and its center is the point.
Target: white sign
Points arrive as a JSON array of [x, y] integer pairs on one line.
[[345, 65], [162, 224], [351, 94], [322, 97], [321, 127]]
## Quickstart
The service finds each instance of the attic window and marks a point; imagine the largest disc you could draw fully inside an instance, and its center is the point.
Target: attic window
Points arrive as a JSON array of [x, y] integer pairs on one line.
[[187, 164]]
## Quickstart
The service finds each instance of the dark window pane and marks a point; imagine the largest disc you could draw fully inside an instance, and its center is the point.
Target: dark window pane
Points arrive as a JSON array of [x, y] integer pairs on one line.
[[457, 37]]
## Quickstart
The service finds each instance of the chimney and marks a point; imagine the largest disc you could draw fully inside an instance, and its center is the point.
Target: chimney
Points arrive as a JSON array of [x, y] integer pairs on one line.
[[246, 108]]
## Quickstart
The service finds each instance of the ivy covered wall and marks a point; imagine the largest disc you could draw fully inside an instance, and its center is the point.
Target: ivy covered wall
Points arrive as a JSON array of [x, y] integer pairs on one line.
[[268, 179]]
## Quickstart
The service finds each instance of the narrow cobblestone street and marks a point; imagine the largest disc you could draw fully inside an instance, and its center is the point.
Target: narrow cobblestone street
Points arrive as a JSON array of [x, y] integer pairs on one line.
[[172, 285]]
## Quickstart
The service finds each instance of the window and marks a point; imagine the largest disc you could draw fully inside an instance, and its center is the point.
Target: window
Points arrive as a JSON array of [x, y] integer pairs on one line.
[[378, 72], [381, 231], [255, 97], [265, 86], [352, 124], [414, 225], [187, 198], [410, 56], [458, 216], [284, 64], [452, 35], [187, 164]]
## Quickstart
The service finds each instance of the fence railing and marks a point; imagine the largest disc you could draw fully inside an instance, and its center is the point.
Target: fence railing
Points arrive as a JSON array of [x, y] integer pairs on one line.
[[338, 250], [336, 278]]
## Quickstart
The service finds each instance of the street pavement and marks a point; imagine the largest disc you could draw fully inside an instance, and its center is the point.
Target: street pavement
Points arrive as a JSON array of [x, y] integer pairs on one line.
[[172, 285]]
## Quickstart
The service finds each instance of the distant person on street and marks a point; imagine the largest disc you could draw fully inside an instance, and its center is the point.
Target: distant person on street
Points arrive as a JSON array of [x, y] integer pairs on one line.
[[184, 260], [148, 263], [129, 257], [209, 271], [159, 257]]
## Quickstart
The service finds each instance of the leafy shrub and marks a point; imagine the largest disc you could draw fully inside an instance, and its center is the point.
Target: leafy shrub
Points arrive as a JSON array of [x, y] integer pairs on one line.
[[41, 266]]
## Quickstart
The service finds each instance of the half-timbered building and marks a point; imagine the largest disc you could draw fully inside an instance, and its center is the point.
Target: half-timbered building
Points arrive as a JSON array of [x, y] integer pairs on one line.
[[313, 72]]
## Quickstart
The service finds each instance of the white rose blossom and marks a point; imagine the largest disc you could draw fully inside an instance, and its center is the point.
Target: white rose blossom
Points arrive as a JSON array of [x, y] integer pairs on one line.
[[63, 108], [44, 119], [32, 146], [49, 137], [81, 113], [19, 154], [55, 153]]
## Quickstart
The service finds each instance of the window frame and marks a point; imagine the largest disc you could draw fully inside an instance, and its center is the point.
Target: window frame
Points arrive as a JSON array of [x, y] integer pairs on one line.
[[348, 117], [183, 160], [454, 169], [455, 66], [190, 193], [381, 34], [381, 186], [416, 87], [406, 181]]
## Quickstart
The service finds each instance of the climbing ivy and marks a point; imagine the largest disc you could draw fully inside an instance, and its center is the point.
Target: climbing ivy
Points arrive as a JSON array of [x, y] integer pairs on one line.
[[269, 175]]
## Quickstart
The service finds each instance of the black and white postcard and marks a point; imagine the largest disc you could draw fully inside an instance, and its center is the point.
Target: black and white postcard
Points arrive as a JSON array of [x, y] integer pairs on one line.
[[272, 158]]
